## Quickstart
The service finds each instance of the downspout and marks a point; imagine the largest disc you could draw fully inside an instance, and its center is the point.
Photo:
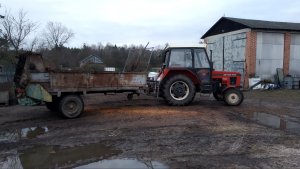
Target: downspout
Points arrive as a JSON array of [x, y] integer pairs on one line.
[[223, 52]]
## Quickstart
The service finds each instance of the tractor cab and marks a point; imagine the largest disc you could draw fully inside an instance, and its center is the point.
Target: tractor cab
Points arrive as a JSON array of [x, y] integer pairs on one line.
[[188, 70], [192, 59]]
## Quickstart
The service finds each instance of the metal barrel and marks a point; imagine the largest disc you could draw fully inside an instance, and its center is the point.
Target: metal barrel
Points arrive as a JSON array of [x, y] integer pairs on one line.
[[288, 82], [296, 82]]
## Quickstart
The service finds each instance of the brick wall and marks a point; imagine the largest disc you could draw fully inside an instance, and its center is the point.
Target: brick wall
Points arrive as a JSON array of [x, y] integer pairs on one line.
[[250, 56], [287, 53]]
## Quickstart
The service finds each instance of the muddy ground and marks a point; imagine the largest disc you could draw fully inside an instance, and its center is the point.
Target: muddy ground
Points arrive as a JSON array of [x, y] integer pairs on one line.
[[264, 132]]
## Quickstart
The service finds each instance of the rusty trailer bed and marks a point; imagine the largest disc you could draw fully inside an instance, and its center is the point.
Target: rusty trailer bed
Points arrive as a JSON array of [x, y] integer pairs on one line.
[[79, 82]]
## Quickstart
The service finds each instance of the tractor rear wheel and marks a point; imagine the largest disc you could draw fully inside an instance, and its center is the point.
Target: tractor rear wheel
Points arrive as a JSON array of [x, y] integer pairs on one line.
[[179, 90], [71, 106], [233, 97]]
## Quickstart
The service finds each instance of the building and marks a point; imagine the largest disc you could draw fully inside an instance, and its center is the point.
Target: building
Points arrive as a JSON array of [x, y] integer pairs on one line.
[[255, 48], [7, 71], [92, 63], [91, 59]]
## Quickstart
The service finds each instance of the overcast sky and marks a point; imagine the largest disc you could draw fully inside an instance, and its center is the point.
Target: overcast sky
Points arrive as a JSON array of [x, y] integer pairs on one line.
[[139, 21]]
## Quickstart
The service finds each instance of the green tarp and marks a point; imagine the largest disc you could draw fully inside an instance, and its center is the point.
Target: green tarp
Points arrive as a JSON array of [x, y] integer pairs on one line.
[[35, 93]]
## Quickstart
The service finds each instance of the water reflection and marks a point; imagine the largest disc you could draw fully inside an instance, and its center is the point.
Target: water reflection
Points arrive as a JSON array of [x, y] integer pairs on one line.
[[15, 135], [64, 157], [124, 163], [283, 123], [11, 162]]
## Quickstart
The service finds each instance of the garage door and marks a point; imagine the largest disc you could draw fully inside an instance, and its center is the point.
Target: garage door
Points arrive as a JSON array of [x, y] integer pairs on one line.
[[295, 55], [269, 54]]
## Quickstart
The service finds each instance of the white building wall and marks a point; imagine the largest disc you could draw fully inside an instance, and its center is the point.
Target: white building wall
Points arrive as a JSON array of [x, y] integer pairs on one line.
[[269, 54], [234, 51], [294, 69]]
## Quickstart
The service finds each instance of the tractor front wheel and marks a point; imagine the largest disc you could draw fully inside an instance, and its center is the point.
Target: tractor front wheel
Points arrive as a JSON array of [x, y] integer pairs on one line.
[[233, 97], [179, 90]]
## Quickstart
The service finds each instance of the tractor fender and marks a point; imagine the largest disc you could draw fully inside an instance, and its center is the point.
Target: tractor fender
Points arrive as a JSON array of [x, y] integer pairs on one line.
[[168, 73], [228, 88]]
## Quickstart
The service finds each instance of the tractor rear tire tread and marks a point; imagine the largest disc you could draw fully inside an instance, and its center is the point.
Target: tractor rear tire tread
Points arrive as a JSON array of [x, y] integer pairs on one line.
[[167, 95]]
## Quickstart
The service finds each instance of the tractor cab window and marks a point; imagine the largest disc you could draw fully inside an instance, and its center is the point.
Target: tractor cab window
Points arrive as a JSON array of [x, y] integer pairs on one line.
[[167, 57], [201, 60], [181, 58]]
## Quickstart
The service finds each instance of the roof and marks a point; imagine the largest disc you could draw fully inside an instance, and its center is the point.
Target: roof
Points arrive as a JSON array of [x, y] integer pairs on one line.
[[187, 45], [228, 24], [91, 59]]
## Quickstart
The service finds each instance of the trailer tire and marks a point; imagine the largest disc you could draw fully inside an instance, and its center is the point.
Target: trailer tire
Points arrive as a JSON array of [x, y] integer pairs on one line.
[[233, 97], [71, 106], [179, 90]]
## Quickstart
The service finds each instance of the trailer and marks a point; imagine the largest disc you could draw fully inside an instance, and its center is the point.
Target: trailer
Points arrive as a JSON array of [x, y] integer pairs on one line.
[[62, 90]]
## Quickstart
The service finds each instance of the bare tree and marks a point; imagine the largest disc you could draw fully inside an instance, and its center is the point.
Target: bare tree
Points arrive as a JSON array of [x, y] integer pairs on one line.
[[33, 43], [17, 29], [57, 35]]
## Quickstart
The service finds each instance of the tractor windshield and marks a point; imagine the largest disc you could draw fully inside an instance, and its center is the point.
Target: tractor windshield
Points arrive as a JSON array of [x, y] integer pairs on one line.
[[201, 60], [181, 58]]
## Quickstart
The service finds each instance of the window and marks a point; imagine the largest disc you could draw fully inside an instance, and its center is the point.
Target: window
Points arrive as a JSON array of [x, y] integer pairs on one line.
[[201, 60], [167, 57], [1, 68], [181, 58]]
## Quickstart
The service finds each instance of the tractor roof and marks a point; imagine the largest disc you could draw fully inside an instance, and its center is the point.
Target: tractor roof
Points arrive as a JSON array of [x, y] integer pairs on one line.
[[192, 45]]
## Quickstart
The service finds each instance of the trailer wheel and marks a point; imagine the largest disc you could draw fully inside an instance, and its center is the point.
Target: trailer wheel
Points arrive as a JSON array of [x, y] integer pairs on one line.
[[71, 106], [233, 97], [179, 90]]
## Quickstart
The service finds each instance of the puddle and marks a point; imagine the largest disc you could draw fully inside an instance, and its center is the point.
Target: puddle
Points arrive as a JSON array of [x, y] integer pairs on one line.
[[11, 162], [124, 163], [80, 157], [285, 123], [64, 157], [16, 135]]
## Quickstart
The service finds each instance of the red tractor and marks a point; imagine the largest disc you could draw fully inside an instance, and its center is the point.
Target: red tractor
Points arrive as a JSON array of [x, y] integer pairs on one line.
[[187, 70]]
